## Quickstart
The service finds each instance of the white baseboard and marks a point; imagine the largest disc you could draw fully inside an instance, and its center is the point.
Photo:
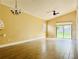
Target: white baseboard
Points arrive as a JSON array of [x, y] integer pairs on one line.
[[39, 37]]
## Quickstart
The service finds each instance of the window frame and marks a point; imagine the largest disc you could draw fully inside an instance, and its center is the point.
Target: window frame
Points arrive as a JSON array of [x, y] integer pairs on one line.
[[64, 24]]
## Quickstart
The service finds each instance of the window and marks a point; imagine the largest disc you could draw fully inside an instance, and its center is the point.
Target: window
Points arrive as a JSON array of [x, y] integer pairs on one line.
[[67, 31], [63, 31], [59, 31]]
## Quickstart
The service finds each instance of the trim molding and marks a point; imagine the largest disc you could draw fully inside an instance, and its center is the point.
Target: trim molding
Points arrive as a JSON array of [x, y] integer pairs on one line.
[[39, 37]]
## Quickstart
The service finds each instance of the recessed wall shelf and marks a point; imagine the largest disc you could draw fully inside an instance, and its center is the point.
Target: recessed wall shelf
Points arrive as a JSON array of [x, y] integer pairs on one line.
[[1, 28], [1, 25]]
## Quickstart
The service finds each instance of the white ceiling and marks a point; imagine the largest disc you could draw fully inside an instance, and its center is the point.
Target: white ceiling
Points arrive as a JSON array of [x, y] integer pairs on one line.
[[40, 8]]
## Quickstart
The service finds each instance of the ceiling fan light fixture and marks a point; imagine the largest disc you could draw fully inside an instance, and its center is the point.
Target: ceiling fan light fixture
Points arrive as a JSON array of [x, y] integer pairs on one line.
[[16, 11]]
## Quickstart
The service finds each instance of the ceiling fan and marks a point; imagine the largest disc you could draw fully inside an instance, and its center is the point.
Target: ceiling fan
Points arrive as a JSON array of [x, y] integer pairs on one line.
[[54, 12]]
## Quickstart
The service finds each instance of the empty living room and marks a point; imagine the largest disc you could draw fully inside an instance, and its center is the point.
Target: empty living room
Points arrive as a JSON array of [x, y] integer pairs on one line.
[[38, 29]]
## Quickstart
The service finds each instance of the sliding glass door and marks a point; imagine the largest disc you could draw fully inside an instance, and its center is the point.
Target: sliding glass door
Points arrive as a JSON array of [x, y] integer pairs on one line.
[[63, 31]]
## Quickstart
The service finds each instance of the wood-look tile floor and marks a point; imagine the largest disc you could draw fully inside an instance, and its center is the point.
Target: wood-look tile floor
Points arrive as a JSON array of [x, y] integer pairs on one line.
[[34, 50]]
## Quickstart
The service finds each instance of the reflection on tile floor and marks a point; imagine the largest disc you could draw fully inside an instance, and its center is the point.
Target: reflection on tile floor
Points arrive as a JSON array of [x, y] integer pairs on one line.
[[39, 49]]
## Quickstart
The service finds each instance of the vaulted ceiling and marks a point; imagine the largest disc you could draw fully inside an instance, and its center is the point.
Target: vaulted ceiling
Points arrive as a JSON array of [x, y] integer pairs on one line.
[[40, 8]]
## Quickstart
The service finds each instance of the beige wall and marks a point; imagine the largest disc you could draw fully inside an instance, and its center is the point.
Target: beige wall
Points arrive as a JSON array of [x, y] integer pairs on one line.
[[70, 17], [19, 27]]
